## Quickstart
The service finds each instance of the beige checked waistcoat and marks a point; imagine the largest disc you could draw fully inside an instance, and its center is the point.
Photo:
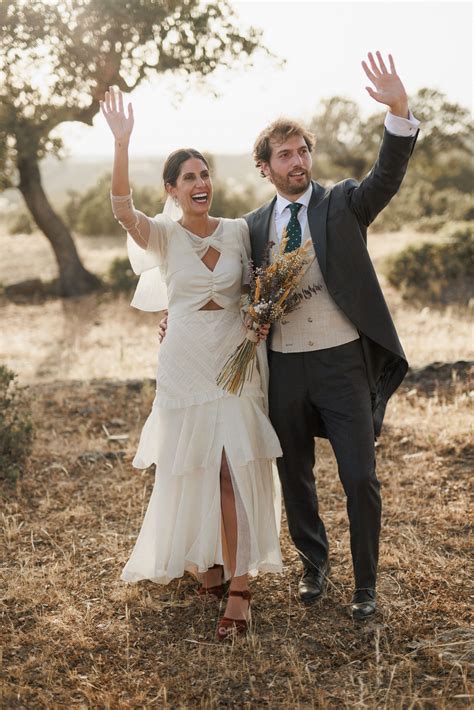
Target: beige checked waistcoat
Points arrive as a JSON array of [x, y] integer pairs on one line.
[[317, 322]]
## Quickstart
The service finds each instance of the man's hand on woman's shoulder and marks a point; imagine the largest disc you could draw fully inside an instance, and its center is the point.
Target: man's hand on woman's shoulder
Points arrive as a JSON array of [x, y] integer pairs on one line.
[[162, 326]]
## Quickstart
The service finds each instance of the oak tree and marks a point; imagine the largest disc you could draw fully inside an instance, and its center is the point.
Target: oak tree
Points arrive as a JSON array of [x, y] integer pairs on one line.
[[58, 57]]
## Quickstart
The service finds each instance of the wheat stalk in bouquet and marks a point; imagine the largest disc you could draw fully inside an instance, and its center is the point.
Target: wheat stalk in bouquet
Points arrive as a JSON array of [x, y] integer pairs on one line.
[[271, 296]]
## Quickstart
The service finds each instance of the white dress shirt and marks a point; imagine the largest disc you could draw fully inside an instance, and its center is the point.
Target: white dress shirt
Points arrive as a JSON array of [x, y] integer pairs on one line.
[[396, 125]]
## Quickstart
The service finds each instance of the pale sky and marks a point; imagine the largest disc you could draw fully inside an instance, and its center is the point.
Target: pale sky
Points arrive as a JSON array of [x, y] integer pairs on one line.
[[323, 43]]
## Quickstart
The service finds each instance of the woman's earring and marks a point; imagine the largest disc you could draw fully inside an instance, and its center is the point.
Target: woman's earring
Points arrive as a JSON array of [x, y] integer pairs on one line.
[[176, 201]]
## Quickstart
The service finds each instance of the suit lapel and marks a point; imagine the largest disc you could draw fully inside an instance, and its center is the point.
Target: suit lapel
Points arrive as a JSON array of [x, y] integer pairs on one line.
[[261, 232], [317, 215]]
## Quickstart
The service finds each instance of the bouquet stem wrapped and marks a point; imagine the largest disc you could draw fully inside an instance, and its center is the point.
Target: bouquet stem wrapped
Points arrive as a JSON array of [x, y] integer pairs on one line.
[[271, 296], [239, 366]]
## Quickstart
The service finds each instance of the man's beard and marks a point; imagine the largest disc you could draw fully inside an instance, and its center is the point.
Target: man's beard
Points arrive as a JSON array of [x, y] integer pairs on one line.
[[286, 186]]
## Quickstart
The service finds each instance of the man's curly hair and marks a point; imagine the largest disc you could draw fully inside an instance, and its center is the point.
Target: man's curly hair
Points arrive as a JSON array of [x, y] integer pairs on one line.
[[279, 131]]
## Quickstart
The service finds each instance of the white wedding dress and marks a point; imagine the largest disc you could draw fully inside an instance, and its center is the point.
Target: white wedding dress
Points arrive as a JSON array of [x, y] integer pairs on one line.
[[193, 421]]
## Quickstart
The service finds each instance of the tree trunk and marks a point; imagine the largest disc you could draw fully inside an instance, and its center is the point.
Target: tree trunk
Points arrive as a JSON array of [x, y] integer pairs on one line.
[[74, 279]]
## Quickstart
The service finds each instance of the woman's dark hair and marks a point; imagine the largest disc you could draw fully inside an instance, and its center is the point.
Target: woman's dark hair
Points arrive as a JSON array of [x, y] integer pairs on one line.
[[174, 161]]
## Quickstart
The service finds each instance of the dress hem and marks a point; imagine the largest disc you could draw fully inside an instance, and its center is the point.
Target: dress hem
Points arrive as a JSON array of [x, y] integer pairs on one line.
[[163, 578], [197, 471]]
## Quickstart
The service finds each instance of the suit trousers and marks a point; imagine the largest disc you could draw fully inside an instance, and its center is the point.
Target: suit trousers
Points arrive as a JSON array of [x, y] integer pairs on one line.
[[328, 386]]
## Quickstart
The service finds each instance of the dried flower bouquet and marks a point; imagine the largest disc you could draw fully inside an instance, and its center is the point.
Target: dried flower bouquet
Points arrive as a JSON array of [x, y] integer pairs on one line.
[[271, 296]]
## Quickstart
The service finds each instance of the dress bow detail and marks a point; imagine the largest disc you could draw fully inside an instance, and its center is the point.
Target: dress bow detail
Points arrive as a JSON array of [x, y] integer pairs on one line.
[[201, 244]]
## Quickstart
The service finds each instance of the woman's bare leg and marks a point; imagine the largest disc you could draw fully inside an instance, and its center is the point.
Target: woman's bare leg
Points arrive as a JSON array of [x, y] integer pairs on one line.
[[237, 608], [213, 577]]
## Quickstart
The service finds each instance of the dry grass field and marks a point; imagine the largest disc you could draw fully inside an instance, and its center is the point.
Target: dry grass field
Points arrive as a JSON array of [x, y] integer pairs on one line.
[[73, 635], [104, 337]]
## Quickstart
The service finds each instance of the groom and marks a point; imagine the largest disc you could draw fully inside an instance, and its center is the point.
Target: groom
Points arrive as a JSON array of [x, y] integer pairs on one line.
[[335, 361]]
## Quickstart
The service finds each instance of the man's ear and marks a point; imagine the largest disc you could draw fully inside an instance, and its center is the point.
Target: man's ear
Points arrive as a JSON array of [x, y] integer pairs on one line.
[[265, 169]]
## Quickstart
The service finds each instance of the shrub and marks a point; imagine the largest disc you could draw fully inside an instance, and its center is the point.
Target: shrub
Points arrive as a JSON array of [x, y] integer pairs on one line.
[[453, 204], [440, 272], [22, 223], [432, 224], [425, 208], [120, 276], [232, 200], [389, 220], [16, 428], [90, 212]]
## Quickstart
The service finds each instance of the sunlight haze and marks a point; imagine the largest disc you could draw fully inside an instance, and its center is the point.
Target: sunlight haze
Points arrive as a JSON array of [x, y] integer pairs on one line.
[[323, 44]]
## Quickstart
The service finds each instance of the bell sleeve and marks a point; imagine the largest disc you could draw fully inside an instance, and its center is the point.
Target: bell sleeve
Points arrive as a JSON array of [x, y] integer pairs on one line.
[[148, 262]]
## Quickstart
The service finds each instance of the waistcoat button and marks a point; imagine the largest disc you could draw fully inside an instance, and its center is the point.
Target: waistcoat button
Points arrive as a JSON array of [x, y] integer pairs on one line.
[[310, 320], [310, 342]]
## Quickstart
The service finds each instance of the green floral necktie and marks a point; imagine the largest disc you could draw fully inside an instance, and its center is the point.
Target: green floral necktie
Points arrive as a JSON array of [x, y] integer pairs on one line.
[[293, 228]]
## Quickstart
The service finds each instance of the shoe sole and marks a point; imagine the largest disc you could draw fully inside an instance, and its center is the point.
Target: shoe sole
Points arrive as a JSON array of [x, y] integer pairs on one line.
[[313, 599], [364, 617]]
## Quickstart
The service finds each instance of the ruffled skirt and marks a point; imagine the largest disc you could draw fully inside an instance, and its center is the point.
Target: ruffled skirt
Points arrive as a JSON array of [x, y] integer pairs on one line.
[[192, 423]]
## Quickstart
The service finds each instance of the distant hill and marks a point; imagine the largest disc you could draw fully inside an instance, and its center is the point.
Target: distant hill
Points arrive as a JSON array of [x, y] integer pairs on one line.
[[60, 176]]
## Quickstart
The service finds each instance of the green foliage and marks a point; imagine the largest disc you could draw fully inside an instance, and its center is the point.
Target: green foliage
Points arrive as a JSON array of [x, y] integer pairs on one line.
[[438, 184], [431, 225], [120, 277], [21, 224], [446, 141], [81, 47], [57, 60], [452, 203], [425, 207], [342, 148], [16, 428], [437, 272], [90, 212], [232, 201]]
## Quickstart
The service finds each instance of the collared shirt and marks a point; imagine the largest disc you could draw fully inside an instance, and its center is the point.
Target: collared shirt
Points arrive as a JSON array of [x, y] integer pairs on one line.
[[396, 125], [282, 214]]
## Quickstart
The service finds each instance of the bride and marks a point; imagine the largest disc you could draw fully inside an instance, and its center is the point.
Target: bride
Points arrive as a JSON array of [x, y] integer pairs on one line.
[[214, 508]]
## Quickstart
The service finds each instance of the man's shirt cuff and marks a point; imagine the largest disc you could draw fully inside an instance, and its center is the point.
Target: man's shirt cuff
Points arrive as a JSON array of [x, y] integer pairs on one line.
[[404, 127]]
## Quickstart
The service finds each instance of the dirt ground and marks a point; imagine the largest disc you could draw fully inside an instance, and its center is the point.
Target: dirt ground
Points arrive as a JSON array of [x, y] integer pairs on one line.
[[73, 635]]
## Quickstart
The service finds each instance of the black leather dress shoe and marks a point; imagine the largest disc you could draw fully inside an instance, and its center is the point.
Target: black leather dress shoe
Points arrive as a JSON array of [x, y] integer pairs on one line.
[[313, 583], [363, 604]]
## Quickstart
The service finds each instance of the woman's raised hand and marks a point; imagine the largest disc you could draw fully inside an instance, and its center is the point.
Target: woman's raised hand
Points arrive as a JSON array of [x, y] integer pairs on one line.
[[112, 108]]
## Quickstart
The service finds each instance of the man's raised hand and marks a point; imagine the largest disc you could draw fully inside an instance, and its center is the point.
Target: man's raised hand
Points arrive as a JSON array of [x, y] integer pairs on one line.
[[389, 89], [120, 124]]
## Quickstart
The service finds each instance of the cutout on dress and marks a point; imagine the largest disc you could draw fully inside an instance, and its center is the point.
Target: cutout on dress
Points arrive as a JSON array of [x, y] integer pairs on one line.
[[211, 306], [210, 261], [211, 258]]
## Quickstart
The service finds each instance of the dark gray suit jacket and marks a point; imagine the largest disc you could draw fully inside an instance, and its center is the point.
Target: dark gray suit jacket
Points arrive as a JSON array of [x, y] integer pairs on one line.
[[338, 218]]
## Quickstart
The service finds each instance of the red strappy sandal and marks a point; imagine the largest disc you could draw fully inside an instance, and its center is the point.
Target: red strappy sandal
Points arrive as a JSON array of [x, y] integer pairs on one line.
[[217, 591], [227, 628]]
